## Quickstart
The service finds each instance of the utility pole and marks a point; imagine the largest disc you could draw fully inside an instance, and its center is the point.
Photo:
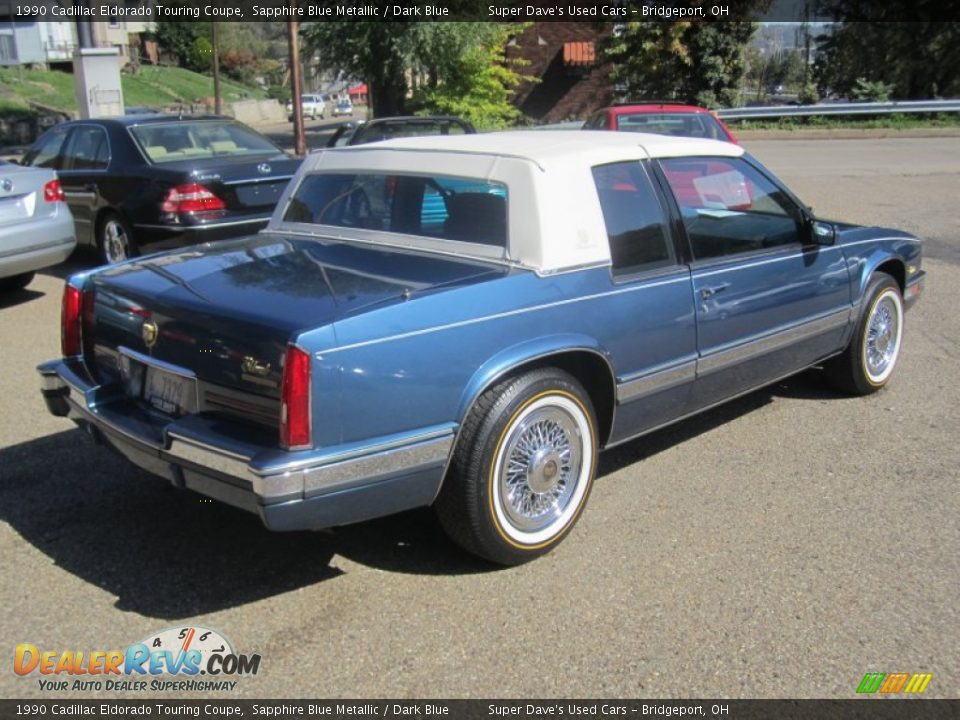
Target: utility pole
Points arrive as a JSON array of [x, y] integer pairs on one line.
[[216, 68], [296, 83]]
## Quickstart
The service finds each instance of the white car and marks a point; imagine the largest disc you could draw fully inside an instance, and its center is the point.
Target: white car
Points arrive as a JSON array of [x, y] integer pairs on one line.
[[36, 227], [313, 107], [343, 107]]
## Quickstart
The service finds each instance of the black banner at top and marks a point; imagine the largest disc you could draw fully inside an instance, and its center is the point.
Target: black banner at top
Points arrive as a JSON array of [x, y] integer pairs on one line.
[[484, 10]]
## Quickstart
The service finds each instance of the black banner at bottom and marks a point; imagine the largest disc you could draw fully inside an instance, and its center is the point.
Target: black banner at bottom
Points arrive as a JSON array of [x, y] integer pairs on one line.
[[867, 708]]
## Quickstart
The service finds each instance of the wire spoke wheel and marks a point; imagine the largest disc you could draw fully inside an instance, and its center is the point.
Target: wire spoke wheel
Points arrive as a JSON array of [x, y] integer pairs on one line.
[[882, 338], [868, 362], [522, 468], [540, 468]]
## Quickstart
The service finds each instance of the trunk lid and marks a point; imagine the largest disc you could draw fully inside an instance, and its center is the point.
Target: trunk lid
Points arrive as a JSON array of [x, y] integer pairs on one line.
[[227, 313]]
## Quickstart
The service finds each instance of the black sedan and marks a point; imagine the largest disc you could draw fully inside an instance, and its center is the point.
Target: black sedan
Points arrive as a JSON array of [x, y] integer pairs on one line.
[[161, 181], [361, 132]]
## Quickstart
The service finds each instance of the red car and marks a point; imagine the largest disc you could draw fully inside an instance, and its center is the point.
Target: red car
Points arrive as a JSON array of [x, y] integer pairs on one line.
[[661, 119]]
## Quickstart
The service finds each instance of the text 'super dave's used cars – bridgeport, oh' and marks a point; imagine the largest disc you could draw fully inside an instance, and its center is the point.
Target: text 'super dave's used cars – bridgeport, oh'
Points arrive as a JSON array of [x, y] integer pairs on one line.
[[465, 322]]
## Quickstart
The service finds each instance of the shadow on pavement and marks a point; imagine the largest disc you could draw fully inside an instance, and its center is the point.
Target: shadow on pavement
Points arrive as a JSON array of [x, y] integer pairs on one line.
[[171, 554], [808, 385], [18, 297], [163, 553]]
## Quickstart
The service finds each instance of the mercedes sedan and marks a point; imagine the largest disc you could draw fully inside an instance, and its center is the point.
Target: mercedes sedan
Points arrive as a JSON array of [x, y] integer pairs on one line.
[[162, 181]]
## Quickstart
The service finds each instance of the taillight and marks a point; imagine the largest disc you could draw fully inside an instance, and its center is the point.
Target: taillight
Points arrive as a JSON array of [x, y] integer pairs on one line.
[[53, 192], [76, 321], [295, 400], [192, 197]]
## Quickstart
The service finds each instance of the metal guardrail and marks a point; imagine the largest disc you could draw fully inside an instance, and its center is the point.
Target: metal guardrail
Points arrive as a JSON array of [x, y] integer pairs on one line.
[[879, 108]]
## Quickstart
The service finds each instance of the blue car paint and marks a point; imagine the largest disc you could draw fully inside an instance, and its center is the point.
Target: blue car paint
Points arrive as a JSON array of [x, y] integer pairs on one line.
[[415, 339], [403, 343]]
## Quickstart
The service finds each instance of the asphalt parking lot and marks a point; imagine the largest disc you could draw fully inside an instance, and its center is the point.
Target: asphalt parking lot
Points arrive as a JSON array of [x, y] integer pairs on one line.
[[779, 546]]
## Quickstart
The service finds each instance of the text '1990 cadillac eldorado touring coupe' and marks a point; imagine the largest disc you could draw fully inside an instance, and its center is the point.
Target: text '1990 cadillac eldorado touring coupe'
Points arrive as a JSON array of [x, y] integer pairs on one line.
[[465, 322]]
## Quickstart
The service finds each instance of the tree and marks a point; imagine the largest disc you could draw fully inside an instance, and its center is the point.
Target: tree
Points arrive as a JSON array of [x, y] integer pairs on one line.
[[917, 60], [180, 38], [467, 72], [696, 62], [456, 67], [377, 52]]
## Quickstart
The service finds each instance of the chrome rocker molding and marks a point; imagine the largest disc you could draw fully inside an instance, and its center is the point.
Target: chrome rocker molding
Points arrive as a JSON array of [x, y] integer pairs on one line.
[[333, 487], [774, 341], [677, 374]]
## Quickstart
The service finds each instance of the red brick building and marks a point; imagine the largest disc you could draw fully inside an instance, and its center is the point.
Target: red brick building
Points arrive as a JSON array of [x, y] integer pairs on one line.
[[564, 58]]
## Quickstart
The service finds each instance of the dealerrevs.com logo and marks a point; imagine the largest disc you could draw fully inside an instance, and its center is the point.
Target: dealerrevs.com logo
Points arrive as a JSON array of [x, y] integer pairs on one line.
[[176, 659]]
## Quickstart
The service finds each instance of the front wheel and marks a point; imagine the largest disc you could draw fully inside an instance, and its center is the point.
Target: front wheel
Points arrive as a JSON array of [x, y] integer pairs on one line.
[[114, 240], [868, 362], [522, 469]]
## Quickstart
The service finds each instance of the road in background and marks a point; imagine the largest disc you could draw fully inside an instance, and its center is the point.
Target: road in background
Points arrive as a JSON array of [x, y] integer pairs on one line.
[[780, 546]]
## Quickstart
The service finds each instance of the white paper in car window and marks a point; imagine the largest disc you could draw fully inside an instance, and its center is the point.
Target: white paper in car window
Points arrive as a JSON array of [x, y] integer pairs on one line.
[[723, 191]]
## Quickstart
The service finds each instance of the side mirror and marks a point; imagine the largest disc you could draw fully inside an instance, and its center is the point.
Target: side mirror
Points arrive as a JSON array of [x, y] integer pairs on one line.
[[823, 233]]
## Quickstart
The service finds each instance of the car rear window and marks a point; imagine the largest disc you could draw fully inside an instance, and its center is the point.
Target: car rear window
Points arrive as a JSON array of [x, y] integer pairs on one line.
[[186, 140], [697, 125], [449, 208]]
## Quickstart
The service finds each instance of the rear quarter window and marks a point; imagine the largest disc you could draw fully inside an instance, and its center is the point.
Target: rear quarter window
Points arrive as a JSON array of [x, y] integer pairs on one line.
[[634, 218]]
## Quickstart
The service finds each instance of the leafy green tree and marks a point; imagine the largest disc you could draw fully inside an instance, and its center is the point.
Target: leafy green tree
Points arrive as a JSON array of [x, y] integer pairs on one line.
[[871, 91], [696, 62], [467, 73], [180, 39], [453, 67], [917, 60], [200, 58], [379, 53]]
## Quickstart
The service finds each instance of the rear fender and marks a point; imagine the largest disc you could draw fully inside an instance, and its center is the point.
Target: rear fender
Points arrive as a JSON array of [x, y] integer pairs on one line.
[[537, 350]]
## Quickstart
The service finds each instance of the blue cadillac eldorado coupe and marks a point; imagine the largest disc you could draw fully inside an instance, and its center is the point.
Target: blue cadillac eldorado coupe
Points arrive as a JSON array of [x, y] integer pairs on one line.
[[466, 321]]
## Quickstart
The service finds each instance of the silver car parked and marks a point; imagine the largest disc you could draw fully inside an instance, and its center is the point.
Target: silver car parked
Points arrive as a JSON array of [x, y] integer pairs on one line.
[[36, 227]]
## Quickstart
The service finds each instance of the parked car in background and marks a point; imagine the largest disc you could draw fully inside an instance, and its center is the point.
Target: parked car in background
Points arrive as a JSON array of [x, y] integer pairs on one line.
[[313, 107], [36, 229], [388, 128], [342, 108], [161, 181], [662, 119], [361, 357]]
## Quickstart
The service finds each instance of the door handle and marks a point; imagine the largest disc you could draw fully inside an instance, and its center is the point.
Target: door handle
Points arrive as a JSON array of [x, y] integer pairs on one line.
[[90, 187], [711, 290]]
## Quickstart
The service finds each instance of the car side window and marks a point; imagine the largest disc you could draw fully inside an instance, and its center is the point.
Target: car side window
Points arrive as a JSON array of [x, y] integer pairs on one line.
[[636, 229], [729, 207], [87, 150], [46, 152]]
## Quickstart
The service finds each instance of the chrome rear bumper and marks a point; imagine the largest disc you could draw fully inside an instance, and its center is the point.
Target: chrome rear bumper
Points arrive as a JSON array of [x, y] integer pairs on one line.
[[290, 491]]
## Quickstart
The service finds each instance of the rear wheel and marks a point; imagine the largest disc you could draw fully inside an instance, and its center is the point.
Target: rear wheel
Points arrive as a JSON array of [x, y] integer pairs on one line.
[[522, 469], [16, 282], [115, 242], [869, 361]]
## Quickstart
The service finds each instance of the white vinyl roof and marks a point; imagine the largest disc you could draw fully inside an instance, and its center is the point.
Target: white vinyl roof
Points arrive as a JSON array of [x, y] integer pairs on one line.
[[542, 146], [555, 221]]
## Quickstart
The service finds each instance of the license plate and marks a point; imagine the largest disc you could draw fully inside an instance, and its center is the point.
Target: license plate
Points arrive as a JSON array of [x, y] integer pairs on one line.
[[169, 393]]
